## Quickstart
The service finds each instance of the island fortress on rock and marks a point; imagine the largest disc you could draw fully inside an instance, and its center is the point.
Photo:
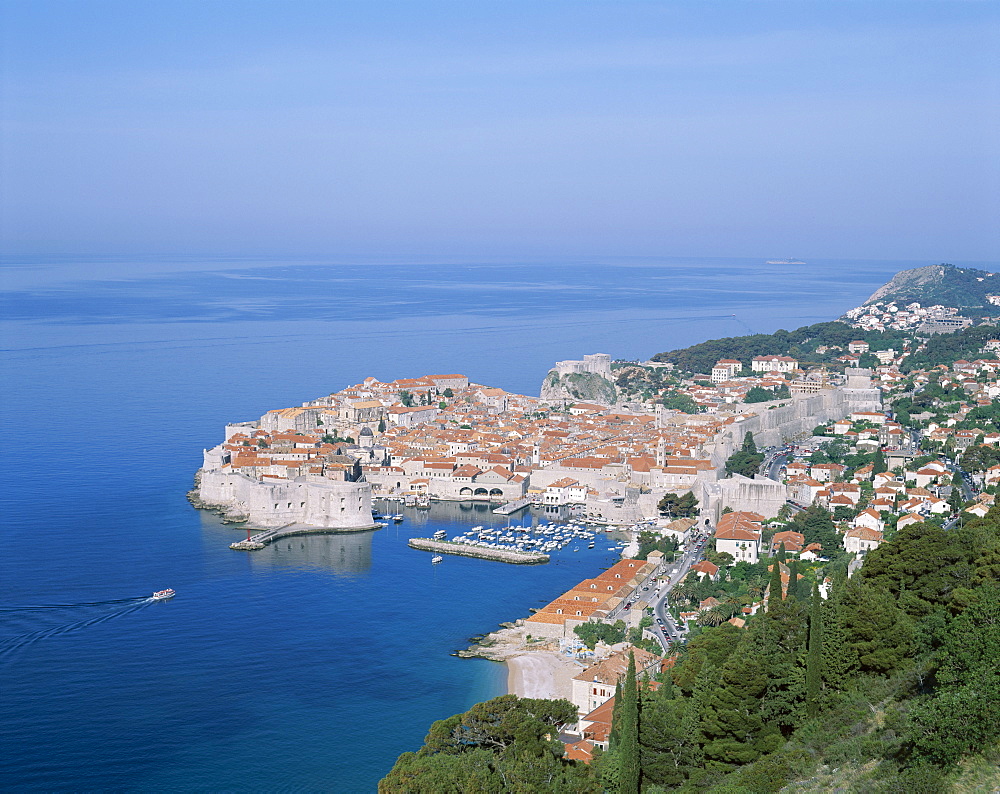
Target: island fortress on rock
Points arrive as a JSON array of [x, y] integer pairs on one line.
[[440, 437]]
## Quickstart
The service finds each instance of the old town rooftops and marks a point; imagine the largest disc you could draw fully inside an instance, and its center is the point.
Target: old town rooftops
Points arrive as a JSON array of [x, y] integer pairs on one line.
[[739, 526], [611, 670]]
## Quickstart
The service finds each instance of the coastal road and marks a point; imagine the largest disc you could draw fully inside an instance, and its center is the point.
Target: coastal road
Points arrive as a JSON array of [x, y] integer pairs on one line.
[[667, 632], [664, 627]]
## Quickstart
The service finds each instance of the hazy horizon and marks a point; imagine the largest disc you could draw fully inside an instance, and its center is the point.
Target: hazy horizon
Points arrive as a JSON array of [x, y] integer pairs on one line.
[[863, 130]]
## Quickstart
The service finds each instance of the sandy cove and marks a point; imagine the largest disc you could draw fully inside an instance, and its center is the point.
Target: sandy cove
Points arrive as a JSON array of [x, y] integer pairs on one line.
[[535, 669]]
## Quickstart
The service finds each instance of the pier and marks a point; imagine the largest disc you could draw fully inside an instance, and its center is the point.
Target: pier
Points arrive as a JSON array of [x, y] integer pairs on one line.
[[261, 539], [468, 550], [512, 507]]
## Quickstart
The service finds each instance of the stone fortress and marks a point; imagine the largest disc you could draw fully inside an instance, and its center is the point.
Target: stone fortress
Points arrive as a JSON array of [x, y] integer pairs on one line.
[[588, 380], [597, 363], [310, 500], [485, 445]]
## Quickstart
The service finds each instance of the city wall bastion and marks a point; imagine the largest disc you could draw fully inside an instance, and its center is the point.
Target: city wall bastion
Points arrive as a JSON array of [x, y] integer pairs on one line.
[[310, 500], [772, 424]]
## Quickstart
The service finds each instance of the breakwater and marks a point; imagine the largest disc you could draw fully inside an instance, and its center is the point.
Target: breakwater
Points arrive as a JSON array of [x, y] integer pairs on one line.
[[468, 550]]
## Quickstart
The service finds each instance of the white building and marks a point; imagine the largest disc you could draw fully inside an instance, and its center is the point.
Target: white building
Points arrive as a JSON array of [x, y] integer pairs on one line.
[[773, 364], [726, 369], [739, 534]]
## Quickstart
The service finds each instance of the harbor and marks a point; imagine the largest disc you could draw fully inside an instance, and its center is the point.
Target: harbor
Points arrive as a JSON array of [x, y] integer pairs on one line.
[[483, 553]]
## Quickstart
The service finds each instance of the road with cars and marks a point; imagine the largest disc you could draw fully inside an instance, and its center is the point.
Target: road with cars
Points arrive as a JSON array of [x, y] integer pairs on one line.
[[664, 628]]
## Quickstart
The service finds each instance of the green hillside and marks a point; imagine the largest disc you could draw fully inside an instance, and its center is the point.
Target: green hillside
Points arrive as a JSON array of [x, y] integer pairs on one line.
[[801, 344], [961, 287]]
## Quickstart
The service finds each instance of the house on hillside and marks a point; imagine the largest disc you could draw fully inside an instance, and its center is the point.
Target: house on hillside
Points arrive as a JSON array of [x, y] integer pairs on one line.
[[739, 534]]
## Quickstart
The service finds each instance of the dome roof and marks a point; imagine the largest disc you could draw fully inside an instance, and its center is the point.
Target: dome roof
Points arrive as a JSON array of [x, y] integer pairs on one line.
[[366, 431]]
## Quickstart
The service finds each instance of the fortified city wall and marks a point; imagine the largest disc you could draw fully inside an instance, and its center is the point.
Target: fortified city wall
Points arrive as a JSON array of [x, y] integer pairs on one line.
[[772, 424], [310, 500]]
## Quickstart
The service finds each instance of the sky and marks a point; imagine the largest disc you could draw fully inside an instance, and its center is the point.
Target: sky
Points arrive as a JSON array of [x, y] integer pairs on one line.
[[513, 128]]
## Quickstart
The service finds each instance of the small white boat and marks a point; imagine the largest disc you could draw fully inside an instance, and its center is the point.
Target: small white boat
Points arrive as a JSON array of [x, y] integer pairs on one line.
[[163, 595], [398, 517], [437, 558]]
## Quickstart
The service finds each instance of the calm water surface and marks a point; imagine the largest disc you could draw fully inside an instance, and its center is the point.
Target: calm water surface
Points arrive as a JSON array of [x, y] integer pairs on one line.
[[311, 665]]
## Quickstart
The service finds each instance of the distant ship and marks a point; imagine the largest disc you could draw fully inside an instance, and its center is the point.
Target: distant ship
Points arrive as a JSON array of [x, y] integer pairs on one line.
[[163, 595], [784, 262]]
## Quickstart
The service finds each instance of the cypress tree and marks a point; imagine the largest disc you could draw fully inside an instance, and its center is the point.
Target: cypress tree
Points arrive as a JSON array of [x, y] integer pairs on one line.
[[749, 445], [628, 733], [793, 579], [666, 688], [774, 588], [814, 654], [955, 500], [879, 465], [614, 736], [781, 555], [835, 666]]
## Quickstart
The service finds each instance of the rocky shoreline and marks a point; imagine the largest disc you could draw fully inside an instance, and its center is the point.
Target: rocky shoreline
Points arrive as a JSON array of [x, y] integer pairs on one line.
[[229, 514], [535, 667], [498, 646]]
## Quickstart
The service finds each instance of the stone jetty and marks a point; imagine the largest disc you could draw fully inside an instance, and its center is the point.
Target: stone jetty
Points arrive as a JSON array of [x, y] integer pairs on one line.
[[468, 550], [261, 539]]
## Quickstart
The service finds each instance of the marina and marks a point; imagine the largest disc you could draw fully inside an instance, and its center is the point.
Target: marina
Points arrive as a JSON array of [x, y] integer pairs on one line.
[[479, 552]]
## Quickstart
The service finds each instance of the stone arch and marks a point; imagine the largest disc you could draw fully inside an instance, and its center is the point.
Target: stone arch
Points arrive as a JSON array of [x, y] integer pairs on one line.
[[481, 492], [465, 491]]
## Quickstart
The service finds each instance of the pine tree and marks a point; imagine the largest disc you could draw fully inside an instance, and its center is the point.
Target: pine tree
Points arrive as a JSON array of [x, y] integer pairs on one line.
[[814, 656], [628, 733]]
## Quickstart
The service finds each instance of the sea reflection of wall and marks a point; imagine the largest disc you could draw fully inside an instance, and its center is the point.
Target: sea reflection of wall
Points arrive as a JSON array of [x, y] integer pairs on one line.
[[346, 552]]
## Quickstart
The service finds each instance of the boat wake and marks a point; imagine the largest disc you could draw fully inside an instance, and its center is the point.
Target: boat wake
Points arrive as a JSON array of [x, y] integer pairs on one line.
[[43, 621]]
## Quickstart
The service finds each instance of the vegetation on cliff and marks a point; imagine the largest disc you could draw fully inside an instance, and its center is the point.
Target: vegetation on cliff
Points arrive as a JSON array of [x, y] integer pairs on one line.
[[801, 344], [507, 744], [583, 386], [895, 677], [747, 460], [943, 284], [890, 684]]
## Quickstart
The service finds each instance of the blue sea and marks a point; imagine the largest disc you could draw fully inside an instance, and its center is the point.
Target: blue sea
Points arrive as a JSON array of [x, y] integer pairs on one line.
[[310, 665]]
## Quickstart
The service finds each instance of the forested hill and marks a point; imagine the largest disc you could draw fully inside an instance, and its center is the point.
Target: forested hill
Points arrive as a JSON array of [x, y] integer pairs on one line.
[[890, 684], [801, 344], [961, 287]]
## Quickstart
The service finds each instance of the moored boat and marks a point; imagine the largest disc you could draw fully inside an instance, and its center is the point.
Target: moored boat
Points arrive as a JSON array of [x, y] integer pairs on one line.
[[437, 558]]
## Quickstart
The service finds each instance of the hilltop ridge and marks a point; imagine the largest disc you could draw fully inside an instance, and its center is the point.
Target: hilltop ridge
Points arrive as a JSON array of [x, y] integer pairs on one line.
[[939, 284]]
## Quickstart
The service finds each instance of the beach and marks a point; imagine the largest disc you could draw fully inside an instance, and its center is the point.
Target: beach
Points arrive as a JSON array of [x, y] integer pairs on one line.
[[541, 674]]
